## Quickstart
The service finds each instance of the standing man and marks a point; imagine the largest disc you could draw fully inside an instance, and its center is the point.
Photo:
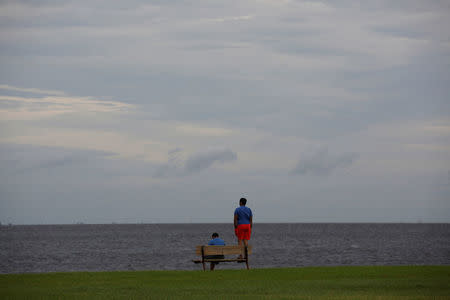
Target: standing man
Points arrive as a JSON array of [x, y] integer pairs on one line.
[[243, 221]]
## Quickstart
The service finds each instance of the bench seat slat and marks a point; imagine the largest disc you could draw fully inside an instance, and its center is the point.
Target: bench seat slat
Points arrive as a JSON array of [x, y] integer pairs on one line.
[[197, 261]]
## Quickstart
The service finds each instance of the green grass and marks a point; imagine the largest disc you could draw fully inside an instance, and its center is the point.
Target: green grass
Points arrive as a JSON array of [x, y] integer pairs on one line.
[[372, 282]]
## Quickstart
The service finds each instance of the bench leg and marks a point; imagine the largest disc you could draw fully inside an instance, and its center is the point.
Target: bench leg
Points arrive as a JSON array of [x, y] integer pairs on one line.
[[203, 258], [246, 257]]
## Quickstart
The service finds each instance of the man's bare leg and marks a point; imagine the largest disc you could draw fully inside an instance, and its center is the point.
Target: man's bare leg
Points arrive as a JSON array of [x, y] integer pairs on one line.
[[240, 244], [245, 242]]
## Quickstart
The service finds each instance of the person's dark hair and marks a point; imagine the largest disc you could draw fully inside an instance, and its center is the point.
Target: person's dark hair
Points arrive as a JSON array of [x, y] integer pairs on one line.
[[215, 234], [243, 201]]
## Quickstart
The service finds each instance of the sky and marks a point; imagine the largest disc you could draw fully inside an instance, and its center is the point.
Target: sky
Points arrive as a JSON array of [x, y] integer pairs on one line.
[[171, 111]]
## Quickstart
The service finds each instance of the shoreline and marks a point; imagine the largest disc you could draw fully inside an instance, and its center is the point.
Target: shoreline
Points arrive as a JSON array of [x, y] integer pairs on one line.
[[229, 269], [306, 268]]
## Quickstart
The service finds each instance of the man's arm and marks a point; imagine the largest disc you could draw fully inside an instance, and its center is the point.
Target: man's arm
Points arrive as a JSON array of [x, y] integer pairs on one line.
[[251, 222], [235, 220]]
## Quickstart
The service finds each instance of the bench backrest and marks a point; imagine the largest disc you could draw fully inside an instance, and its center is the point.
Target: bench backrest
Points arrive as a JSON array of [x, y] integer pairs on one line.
[[222, 250]]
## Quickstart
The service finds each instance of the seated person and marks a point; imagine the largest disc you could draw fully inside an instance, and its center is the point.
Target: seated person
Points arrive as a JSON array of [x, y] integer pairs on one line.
[[216, 241]]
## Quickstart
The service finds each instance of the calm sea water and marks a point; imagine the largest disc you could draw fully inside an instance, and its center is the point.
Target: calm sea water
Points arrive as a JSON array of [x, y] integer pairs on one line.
[[50, 248]]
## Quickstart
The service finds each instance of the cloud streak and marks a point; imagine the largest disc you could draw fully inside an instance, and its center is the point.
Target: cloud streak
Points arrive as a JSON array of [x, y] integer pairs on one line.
[[31, 90], [55, 103], [195, 163], [321, 163], [17, 159], [190, 129], [204, 160], [229, 19]]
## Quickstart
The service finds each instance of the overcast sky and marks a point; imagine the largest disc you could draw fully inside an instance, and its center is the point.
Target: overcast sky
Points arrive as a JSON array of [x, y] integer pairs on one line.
[[170, 111]]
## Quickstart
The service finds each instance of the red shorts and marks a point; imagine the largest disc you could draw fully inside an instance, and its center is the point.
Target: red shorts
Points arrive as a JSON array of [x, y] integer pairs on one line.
[[243, 231]]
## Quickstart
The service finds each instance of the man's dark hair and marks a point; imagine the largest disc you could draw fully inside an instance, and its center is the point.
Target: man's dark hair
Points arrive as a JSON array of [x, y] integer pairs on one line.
[[243, 201], [215, 234]]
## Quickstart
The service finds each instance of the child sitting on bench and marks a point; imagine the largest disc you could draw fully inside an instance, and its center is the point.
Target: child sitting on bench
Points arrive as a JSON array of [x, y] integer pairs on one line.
[[216, 241]]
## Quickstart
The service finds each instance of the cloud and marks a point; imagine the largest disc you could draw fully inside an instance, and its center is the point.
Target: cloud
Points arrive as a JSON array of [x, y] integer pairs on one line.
[[53, 103], [31, 90], [174, 151], [228, 19], [201, 161], [190, 129], [173, 166], [322, 163], [177, 166], [17, 159]]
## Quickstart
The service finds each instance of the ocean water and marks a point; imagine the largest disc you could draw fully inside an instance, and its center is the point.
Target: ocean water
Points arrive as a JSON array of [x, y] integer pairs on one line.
[[56, 248]]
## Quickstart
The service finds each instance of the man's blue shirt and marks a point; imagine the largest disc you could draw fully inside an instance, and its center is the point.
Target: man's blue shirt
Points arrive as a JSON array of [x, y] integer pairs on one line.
[[244, 213], [216, 242]]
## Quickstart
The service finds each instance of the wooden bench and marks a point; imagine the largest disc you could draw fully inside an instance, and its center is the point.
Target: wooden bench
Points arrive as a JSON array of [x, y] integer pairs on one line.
[[204, 251]]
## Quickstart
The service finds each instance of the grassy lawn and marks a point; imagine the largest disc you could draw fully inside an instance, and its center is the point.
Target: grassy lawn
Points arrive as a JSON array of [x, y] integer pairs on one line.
[[374, 282]]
